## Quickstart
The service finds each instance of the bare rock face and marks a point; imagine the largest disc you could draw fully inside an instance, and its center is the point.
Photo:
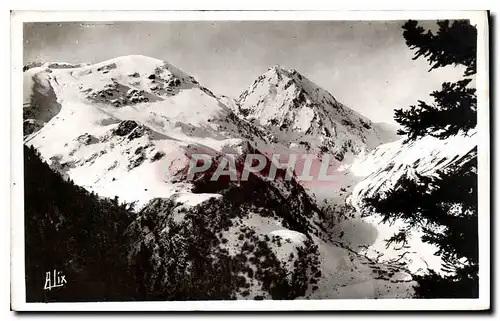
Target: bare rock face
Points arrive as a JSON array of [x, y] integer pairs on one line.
[[40, 101], [120, 95], [31, 125], [87, 139], [107, 67], [131, 129]]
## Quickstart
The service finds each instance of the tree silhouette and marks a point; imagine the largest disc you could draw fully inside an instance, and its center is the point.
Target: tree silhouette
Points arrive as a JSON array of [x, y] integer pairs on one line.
[[453, 44], [454, 107], [443, 206]]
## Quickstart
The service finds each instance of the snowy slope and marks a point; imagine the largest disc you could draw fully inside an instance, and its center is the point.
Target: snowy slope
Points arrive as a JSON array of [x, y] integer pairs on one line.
[[161, 111], [381, 169]]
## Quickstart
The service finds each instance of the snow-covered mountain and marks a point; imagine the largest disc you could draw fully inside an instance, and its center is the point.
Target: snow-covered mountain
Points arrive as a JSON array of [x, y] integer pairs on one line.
[[382, 169], [300, 114], [122, 127], [384, 166], [126, 127]]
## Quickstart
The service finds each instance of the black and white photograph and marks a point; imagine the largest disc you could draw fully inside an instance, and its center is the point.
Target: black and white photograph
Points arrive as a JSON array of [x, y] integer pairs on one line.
[[292, 161]]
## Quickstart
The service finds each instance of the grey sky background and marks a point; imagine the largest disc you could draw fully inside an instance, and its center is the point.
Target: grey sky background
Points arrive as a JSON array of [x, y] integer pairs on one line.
[[365, 65]]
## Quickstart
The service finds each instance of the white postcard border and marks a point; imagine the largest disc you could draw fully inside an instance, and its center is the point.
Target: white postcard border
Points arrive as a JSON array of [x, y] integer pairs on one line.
[[18, 295]]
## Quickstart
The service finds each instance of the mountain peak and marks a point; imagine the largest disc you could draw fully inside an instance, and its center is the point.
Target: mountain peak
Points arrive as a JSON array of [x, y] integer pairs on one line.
[[133, 59], [284, 73], [300, 112], [274, 68]]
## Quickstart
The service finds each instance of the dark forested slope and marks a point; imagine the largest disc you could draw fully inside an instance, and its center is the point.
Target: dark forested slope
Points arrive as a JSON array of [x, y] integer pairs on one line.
[[70, 230]]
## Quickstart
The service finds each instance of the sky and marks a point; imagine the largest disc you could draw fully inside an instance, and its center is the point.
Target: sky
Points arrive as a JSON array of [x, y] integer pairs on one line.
[[364, 64]]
